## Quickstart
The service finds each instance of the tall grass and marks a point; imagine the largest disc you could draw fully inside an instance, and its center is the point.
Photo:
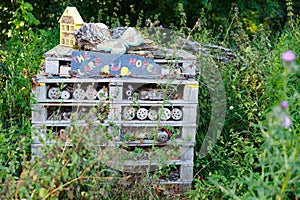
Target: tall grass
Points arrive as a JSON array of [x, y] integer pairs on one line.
[[256, 156]]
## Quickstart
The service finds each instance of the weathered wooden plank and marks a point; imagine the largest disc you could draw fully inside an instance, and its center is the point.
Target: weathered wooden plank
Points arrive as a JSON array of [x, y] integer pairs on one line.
[[190, 92], [186, 172], [115, 91], [116, 80], [190, 113], [189, 132], [187, 153], [166, 103]]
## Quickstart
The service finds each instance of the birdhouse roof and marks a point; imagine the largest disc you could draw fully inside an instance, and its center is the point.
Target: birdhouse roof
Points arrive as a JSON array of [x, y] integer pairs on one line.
[[73, 12]]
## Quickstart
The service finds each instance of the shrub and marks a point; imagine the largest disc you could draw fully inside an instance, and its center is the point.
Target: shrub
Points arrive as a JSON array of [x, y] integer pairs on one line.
[[20, 60]]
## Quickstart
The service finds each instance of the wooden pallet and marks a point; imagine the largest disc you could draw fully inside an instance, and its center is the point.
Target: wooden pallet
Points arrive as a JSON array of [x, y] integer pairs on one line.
[[51, 115]]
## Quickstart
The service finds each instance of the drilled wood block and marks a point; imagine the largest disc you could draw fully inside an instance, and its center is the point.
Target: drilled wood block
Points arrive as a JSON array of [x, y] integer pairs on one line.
[[39, 113], [41, 92], [52, 66]]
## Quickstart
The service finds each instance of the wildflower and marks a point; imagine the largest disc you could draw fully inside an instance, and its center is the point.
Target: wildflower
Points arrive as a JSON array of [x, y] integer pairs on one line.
[[284, 104], [198, 23], [148, 21], [160, 26], [287, 121], [288, 59], [288, 56]]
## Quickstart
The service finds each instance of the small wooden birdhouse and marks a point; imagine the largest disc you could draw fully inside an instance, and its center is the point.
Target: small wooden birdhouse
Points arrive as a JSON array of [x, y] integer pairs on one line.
[[69, 21]]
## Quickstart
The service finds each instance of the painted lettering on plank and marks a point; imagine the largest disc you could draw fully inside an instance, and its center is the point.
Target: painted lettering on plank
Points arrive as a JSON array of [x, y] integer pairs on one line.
[[87, 64]]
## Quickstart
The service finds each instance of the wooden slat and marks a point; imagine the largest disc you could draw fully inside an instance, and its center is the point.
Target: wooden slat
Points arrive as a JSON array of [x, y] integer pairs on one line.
[[186, 172], [115, 80]]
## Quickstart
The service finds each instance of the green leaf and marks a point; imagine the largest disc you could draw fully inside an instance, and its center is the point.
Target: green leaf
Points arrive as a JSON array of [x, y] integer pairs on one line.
[[74, 158], [65, 173]]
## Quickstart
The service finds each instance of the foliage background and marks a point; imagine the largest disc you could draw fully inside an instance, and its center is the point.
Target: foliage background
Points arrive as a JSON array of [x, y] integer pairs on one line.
[[258, 32], [270, 13]]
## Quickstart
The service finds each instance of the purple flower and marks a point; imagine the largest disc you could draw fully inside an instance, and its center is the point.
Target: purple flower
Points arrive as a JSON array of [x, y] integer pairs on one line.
[[198, 23], [148, 21], [160, 26], [288, 56], [284, 104], [287, 121]]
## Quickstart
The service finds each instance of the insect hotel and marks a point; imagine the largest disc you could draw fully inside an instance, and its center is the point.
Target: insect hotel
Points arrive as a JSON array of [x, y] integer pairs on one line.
[[145, 96]]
